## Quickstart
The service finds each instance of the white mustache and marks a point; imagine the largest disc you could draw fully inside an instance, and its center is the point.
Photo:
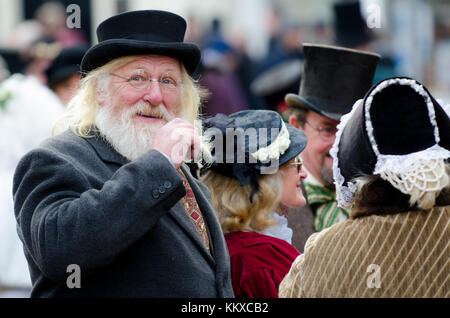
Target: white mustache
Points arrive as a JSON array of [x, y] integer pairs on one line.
[[160, 111]]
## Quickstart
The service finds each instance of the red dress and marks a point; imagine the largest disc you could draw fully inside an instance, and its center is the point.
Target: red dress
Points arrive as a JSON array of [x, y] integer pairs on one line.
[[258, 263]]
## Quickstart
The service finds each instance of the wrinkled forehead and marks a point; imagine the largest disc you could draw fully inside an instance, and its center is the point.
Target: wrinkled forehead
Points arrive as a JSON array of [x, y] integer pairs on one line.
[[152, 64]]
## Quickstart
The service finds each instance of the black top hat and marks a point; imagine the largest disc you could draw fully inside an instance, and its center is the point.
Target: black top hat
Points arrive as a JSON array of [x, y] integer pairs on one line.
[[350, 28], [397, 123], [65, 64], [333, 79], [141, 32], [250, 143]]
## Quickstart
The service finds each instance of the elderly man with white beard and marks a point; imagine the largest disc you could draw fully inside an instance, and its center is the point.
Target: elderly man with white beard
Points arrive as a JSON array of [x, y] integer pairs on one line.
[[107, 208]]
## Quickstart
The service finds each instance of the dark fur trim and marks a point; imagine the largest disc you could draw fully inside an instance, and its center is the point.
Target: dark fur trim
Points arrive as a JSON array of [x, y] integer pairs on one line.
[[444, 197], [379, 197]]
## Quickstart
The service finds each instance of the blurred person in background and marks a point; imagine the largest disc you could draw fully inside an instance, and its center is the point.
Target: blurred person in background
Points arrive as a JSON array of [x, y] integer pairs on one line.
[[52, 16], [35, 50], [219, 66], [273, 84], [350, 28], [250, 202], [333, 79], [63, 75], [391, 162], [286, 46], [279, 72], [28, 110]]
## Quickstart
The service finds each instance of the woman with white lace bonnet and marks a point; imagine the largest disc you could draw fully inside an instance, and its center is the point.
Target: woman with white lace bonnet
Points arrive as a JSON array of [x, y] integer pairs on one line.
[[255, 176], [391, 162]]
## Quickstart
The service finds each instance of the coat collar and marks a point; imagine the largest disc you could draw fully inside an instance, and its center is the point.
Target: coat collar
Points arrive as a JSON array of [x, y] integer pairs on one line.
[[105, 151]]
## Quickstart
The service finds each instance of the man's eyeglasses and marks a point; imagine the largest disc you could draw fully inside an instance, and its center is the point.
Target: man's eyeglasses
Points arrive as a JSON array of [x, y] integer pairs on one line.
[[298, 162], [139, 79], [326, 133]]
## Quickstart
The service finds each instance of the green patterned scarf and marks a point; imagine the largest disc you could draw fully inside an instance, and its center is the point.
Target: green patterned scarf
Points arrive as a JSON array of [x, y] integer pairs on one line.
[[323, 201]]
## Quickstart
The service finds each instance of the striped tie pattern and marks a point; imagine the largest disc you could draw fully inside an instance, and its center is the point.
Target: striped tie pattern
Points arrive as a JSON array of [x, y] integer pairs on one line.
[[323, 202]]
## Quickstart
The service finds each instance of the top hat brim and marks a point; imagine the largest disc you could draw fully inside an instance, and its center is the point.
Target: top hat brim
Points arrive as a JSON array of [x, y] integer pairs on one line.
[[294, 100], [106, 51]]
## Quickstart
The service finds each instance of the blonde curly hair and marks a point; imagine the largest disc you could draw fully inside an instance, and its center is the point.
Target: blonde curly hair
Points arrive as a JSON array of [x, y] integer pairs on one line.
[[233, 206]]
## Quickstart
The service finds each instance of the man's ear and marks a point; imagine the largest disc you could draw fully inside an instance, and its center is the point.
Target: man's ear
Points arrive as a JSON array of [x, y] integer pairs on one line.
[[294, 122]]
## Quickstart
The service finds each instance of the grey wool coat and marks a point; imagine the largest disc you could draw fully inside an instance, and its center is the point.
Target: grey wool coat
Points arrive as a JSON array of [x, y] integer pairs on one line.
[[77, 201]]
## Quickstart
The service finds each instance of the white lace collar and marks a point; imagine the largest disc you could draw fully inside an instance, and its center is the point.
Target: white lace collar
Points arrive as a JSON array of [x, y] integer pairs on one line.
[[280, 229]]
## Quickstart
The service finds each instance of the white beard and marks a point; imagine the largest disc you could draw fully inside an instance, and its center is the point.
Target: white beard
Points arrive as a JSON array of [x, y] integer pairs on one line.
[[130, 138]]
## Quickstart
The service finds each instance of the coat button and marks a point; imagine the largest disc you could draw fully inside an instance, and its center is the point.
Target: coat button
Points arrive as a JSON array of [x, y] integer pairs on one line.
[[162, 189], [155, 194], [167, 184]]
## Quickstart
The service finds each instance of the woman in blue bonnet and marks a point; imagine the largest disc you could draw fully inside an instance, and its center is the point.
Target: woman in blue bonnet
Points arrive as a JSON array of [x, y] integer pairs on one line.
[[254, 178]]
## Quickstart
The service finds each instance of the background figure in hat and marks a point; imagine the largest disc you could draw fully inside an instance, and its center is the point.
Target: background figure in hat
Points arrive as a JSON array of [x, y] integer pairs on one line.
[[333, 79], [63, 75], [351, 31], [391, 161], [110, 201], [350, 28], [250, 202], [220, 61], [273, 84], [27, 111]]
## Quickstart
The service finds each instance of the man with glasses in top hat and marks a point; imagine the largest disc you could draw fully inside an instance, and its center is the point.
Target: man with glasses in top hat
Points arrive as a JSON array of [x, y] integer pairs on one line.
[[333, 79], [391, 163], [108, 208]]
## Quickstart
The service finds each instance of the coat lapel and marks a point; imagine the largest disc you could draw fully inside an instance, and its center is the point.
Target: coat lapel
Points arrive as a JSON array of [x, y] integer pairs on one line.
[[105, 150], [177, 212]]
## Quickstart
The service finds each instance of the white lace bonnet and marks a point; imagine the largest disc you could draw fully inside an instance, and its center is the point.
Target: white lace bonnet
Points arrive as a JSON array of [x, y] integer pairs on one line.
[[394, 132]]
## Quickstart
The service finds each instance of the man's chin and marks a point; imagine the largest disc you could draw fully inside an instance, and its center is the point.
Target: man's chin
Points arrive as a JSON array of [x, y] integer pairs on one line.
[[328, 162], [327, 176]]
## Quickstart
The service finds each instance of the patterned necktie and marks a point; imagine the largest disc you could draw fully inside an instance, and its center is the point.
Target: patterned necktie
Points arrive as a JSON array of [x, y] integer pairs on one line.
[[323, 202], [193, 210]]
